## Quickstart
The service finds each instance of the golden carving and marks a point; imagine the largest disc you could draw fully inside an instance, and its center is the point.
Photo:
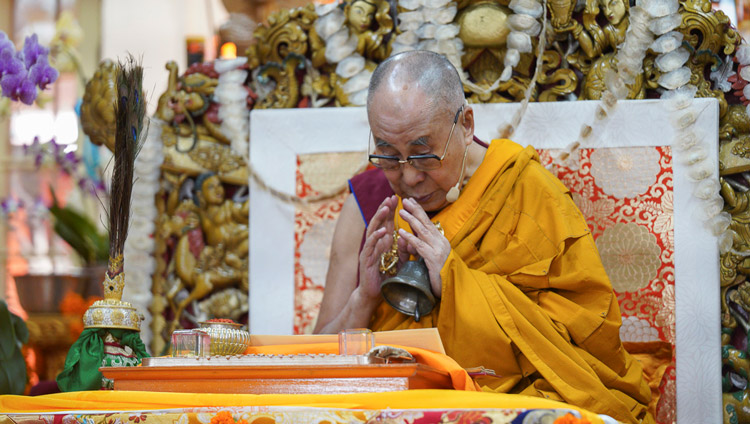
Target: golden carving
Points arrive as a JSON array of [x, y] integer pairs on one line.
[[734, 123], [185, 103], [706, 29], [284, 76], [738, 205], [216, 158], [483, 25], [370, 21], [97, 113], [561, 81], [742, 148], [730, 264], [596, 54], [211, 237], [560, 12], [287, 32]]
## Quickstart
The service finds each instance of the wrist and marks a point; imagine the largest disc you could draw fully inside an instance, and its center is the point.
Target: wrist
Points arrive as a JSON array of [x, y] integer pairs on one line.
[[364, 303]]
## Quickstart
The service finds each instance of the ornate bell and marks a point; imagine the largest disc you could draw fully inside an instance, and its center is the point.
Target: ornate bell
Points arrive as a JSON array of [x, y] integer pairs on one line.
[[409, 291]]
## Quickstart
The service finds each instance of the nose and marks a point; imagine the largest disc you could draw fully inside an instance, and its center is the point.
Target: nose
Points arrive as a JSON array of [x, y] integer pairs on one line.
[[411, 176]]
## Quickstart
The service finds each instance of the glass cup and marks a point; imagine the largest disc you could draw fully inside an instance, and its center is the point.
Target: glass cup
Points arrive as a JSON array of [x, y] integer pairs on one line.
[[190, 343], [356, 341]]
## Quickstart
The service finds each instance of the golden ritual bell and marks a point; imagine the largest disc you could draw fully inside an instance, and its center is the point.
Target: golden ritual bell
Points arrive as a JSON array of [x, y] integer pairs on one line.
[[409, 291]]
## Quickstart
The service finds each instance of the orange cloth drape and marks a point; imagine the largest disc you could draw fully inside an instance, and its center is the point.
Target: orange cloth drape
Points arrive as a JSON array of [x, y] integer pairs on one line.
[[459, 377], [524, 292]]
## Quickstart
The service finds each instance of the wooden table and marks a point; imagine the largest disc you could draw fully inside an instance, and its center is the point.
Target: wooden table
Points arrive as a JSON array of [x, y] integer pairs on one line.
[[299, 379]]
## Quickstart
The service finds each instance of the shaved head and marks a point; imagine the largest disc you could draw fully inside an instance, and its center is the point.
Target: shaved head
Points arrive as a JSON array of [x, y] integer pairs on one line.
[[430, 73]]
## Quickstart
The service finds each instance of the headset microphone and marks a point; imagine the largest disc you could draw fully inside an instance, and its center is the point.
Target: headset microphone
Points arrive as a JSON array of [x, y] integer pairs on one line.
[[453, 193]]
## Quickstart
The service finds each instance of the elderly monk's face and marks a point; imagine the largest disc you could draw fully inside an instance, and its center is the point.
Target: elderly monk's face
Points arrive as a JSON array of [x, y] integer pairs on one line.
[[403, 125]]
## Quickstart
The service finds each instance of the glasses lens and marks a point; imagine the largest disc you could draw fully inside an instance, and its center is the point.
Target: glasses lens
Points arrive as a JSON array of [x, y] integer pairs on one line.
[[426, 164], [384, 163]]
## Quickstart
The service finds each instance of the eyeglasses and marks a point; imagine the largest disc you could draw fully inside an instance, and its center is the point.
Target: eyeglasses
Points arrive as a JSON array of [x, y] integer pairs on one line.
[[419, 162]]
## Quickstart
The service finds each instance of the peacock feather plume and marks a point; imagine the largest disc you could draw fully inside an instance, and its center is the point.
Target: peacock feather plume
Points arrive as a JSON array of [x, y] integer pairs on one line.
[[129, 135]]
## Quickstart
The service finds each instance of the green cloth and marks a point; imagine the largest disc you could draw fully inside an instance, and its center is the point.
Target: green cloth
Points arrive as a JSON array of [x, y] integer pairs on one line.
[[13, 334], [81, 370]]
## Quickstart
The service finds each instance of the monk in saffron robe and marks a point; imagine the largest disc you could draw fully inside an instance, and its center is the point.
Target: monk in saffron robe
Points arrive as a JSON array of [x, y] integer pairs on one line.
[[520, 284]]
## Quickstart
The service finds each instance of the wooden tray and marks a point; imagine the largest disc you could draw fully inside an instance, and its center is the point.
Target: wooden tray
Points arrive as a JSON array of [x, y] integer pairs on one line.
[[300, 379]]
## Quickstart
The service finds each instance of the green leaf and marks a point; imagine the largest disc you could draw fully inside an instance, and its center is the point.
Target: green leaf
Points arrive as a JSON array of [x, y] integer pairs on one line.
[[13, 332], [80, 233], [13, 374], [8, 340], [22, 331]]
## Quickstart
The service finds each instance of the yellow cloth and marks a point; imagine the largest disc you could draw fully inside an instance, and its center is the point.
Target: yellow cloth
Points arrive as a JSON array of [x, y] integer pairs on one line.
[[525, 294], [144, 401]]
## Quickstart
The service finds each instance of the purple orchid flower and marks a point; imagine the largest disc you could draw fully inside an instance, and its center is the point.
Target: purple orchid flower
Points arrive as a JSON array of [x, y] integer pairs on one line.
[[18, 87], [21, 72], [71, 158], [9, 63], [5, 205], [9, 205], [42, 74], [36, 148], [32, 51]]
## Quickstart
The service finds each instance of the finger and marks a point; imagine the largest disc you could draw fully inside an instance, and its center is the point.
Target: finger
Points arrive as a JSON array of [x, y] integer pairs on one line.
[[420, 222], [378, 219], [419, 229], [421, 248], [371, 242], [392, 204], [415, 209], [403, 250]]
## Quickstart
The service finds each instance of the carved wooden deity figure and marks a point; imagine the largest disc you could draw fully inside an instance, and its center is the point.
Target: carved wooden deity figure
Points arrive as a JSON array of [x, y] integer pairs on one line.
[[370, 21], [212, 246], [594, 41]]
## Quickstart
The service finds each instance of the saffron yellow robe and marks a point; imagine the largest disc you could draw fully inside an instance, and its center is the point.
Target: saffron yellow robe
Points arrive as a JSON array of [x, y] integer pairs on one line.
[[525, 294]]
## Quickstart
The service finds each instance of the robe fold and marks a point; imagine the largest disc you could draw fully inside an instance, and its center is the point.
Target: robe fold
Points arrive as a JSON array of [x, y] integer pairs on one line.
[[524, 292]]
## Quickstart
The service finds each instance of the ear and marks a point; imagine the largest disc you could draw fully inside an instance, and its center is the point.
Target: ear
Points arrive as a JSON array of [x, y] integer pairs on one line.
[[467, 123]]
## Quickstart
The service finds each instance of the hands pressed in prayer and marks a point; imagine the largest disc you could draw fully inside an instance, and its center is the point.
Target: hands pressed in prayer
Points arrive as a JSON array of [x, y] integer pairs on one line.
[[427, 242], [378, 240]]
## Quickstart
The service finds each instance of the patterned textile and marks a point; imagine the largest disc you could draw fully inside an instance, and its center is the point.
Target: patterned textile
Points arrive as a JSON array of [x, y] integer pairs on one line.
[[626, 196], [269, 415], [313, 233]]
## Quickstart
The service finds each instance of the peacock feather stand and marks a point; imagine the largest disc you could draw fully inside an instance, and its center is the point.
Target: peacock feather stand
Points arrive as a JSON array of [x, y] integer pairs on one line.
[[111, 326]]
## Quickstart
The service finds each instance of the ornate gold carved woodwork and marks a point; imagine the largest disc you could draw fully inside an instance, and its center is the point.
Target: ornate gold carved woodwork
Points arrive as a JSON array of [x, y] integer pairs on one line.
[[287, 32], [201, 247], [97, 113], [737, 203], [284, 78], [483, 25], [558, 82], [707, 29]]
